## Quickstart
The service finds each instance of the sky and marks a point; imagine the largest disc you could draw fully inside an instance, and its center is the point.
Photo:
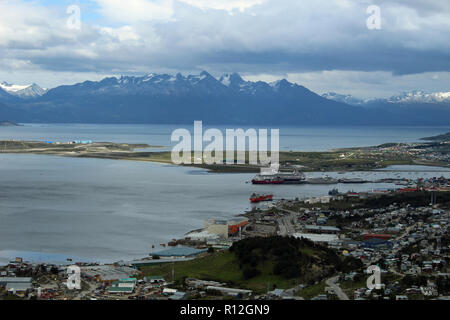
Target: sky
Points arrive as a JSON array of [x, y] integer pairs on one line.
[[367, 48]]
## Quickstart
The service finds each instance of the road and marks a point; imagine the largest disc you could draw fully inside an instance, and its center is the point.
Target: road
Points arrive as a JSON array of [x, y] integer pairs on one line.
[[407, 231], [337, 290], [285, 225]]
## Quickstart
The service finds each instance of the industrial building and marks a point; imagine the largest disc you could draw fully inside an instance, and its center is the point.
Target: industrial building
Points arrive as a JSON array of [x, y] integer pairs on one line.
[[321, 229], [5, 280], [315, 237], [376, 236], [229, 291], [376, 243], [225, 228], [107, 273], [179, 252], [123, 286], [16, 285]]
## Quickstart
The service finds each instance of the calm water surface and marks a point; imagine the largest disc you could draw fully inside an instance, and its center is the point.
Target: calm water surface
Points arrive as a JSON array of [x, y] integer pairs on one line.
[[302, 138]]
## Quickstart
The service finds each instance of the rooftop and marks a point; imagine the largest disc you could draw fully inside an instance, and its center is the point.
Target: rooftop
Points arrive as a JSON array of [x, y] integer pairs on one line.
[[179, 252], [18, 286], [317, 237], [121, 289], [15, 280], [321, 228]]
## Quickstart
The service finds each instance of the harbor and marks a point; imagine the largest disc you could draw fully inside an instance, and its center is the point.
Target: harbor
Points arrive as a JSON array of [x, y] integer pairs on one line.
[[333, 222], [111, 210]]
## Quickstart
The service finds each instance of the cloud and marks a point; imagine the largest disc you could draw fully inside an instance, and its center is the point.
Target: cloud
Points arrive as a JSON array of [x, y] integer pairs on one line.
[[136, 10], [125, 33], [228, 5], [375, 84], [254, 37]]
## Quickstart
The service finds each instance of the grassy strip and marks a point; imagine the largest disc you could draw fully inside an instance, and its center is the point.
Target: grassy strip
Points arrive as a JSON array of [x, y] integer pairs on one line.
[[222, 267]]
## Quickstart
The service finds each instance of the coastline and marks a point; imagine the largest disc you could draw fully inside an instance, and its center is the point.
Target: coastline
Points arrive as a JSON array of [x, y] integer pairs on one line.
[[345, 160]]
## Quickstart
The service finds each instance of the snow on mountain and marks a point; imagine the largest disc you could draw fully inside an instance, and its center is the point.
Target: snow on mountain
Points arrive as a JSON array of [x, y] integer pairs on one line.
[[225, 80], [344, 98], [229, 99], [231, 79], [23, 91], [421, 97], [12, 87], [164, 84], [276, 85], [405, 98]]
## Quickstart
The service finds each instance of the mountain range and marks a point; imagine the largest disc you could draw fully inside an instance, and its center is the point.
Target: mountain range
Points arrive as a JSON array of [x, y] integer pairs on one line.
[[410, 97], [178, 99]]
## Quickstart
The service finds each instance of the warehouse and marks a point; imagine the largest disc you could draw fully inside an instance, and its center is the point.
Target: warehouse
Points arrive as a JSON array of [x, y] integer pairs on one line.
[[317, 237], [376, 236], [107, 273], [180, 252], [126, 290], [123, 286], [18, 287], [321, 229], [229, 291], [5, 280], [225, 228]]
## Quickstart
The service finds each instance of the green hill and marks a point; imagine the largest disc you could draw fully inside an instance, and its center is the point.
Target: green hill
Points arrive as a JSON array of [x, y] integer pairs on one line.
[[255, 263]]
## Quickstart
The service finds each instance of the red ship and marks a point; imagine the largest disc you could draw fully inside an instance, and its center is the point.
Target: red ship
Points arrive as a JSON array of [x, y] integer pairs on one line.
[[254, 198]]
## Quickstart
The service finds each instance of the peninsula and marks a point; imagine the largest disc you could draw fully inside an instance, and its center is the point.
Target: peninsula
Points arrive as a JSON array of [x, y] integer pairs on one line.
[[348, 159]]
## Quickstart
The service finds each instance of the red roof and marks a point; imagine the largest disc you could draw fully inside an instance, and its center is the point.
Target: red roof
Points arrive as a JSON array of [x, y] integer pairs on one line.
[[376, 236]]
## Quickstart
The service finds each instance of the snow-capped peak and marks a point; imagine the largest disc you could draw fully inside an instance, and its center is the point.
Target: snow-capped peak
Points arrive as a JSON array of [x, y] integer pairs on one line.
[[23, 91], [12, 87], [225, 80], [230, 79], [195, 79], [416, 96], [420, 96], [344, 98], [148, 77], [276, 85]]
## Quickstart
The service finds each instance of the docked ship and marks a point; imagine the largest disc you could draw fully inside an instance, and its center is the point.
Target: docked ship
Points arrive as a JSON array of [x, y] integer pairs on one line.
[[267, 180], [352, 180], [255, 198], [322, 180], [293, 177]]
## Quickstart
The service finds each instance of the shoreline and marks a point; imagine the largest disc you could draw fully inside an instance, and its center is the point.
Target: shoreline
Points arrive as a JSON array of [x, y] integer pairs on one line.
[[335, 160]]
